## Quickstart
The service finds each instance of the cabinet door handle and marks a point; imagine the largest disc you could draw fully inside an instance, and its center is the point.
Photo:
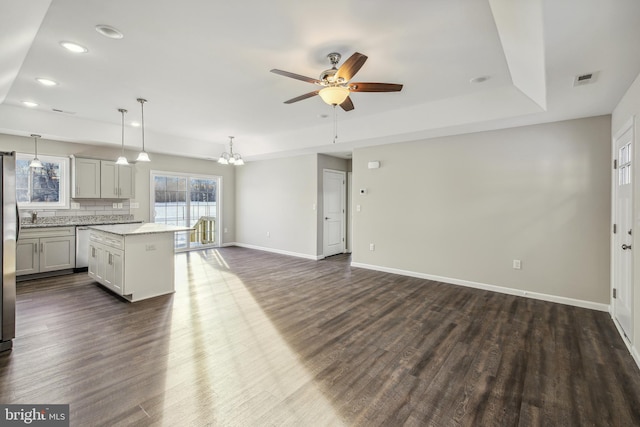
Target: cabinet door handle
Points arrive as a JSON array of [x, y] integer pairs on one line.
[[35, 249], [41, 247], [110, 260]]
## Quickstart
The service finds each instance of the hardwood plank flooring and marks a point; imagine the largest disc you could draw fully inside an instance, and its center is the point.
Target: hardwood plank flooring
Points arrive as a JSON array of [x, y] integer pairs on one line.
[[258, 339]]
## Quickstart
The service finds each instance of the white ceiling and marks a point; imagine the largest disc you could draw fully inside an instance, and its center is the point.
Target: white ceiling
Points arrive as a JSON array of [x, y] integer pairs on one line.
[[204, 68]]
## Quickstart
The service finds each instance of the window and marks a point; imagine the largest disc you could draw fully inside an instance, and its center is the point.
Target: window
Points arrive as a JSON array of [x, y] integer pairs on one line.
[[42, 188], [624, 164]]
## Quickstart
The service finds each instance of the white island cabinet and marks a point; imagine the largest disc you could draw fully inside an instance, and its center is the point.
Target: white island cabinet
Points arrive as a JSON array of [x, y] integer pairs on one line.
[[135, 261]]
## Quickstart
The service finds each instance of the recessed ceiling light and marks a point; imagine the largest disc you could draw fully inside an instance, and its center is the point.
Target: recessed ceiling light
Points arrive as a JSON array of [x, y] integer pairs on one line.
[[74, 47], [135, 124], [30, 104], [46, 82], [480, 79], [109, 31]]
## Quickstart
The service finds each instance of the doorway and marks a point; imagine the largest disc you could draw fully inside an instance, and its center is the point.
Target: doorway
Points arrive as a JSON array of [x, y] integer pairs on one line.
[[334, 215], [623, 229], [189, 201]]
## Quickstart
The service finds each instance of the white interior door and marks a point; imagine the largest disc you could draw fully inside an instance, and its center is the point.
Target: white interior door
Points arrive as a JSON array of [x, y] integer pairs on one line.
[[333, 201], [622, 238]]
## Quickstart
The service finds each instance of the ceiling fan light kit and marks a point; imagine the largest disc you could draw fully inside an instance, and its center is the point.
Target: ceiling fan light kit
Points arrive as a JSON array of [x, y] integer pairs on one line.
[[334, 95]]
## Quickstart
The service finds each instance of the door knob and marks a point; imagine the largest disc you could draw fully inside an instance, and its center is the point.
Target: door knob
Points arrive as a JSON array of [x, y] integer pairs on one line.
[[625, 247], [326, 217]]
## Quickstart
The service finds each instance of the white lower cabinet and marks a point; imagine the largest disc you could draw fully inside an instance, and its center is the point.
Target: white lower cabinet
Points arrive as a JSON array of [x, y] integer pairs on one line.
[[106, 261], [135, 267], [41, 250]]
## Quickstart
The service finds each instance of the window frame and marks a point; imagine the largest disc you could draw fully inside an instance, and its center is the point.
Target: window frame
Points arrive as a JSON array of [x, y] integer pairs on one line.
[[63, 187]]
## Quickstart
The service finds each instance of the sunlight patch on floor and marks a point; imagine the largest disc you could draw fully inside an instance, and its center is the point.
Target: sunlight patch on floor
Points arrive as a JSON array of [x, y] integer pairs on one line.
[[233, 368]]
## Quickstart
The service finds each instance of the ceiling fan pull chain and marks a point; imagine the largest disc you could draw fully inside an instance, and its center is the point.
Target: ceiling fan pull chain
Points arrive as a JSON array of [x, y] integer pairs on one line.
[[335, 124]]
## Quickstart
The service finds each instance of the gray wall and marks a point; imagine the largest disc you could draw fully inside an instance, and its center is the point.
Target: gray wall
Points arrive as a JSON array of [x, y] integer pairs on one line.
[[278, 197], [464, 207], [142, 172]]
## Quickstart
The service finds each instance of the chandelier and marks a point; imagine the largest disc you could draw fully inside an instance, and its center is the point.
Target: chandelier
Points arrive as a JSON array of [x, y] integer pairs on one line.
[[231, 158]]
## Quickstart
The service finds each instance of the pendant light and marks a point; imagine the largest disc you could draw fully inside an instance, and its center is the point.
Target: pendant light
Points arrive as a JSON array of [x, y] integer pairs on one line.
[[143, 156], [231, 158], [35, 163], [122, 160]]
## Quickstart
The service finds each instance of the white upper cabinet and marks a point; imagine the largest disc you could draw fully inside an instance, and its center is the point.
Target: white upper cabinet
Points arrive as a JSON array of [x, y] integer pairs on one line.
[[101, 179]]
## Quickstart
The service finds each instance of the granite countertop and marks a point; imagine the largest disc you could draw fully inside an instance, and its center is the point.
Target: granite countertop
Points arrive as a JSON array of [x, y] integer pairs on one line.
[[68, 221], [133, 229]]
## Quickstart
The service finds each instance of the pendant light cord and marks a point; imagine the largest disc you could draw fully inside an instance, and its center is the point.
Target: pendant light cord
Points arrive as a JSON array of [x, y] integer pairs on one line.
[[142, 101], [122, 112]]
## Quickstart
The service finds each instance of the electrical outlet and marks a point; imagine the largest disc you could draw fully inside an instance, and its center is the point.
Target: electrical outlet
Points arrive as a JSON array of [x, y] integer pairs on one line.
[[372, 246], [268, 234], [75, 205], [115, 206], [517, 264], [226, 230], [119, 205], [357, 208]]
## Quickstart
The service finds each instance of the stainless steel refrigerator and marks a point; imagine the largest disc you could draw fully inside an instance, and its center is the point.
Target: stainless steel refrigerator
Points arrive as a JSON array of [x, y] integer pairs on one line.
[[9, 228]]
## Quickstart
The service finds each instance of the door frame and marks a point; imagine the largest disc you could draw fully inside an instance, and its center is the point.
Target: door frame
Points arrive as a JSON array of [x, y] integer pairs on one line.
[[626, 127], [343, 202]]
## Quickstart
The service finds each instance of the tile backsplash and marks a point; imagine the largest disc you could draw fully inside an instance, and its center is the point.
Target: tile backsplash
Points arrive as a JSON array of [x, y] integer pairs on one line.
[[83, 207]]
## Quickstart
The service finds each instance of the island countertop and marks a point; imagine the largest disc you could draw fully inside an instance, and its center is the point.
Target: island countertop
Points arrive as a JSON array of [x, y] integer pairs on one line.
[[134, 229]]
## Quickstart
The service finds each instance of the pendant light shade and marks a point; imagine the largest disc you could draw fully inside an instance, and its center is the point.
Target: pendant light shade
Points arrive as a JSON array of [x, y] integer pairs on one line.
[[143, 156], [35, 163], [122, 160], [231, 158]]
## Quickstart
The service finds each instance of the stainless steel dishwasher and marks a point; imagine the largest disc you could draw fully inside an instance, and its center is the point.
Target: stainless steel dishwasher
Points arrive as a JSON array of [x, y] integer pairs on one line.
[[82, 247]]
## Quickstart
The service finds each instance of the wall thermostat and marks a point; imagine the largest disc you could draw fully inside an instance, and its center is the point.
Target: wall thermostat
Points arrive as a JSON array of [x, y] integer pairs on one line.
[[374, 165]]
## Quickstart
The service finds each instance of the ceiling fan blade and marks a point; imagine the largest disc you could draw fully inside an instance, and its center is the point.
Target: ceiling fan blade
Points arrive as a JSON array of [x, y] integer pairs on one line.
[[347, 104], [375, 87], [301, 97], [351, 66], [296, 76]]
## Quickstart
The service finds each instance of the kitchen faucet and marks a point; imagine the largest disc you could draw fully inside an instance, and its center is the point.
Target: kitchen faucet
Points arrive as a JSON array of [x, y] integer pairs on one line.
[[34, 216]]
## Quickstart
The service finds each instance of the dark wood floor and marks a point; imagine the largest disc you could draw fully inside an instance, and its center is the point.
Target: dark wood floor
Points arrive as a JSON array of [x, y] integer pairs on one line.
[[252, 338]]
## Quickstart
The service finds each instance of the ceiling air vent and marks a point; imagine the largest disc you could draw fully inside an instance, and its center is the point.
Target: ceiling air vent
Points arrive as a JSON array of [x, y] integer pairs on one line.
[[585, 79]]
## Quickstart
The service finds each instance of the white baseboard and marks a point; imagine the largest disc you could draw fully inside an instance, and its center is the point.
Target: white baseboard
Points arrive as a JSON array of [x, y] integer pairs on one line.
[[276, 251], [510, 291]]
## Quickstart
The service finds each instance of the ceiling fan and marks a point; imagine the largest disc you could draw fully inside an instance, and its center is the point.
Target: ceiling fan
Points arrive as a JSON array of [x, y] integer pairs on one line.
[[335, 82]]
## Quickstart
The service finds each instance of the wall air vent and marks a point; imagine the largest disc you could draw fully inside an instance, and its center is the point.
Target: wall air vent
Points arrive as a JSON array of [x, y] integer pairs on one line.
[[585, 79]]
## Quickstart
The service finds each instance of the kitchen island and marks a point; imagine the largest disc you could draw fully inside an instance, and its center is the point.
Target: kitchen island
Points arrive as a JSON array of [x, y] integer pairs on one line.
[[135, 261]]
